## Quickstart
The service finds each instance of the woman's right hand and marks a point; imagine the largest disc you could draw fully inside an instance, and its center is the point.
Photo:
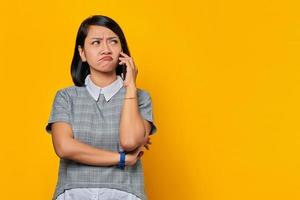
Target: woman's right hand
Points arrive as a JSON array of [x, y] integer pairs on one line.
[[132, 157]]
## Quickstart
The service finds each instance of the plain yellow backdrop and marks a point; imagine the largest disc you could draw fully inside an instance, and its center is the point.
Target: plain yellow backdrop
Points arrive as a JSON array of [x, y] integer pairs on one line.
[[224, 78]]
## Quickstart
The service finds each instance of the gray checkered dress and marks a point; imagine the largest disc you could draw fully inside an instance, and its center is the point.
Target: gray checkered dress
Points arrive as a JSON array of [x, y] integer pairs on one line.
[[97, 123]]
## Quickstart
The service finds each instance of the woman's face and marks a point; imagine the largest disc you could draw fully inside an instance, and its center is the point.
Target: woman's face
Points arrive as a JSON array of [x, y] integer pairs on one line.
[[101, 49]]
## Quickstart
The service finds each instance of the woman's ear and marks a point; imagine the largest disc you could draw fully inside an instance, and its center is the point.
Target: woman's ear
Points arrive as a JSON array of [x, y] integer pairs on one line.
[[81, 53]]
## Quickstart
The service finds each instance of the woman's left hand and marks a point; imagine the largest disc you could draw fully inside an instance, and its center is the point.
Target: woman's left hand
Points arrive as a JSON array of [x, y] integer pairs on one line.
[[131, 70], [146, 145]]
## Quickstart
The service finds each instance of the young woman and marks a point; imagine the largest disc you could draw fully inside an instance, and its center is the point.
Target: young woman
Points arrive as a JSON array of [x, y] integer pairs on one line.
[[100, 125]]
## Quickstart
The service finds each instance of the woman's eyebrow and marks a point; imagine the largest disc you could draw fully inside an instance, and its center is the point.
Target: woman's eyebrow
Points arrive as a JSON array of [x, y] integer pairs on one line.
[[101, 38]]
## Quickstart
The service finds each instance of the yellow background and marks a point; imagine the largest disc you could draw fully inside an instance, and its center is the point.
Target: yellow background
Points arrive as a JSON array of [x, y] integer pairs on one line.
[[224, 78]]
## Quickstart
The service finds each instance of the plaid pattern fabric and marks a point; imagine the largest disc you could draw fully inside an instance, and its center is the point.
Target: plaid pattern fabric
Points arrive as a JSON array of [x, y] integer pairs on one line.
[[97, 123]]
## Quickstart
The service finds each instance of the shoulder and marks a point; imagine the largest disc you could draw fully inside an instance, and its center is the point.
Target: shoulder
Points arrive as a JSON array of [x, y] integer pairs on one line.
[[142, 92], [143, 95], [70, 92]]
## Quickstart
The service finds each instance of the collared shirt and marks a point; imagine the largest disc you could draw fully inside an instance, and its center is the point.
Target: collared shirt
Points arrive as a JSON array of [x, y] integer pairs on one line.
[[94, 115], [108, 91]]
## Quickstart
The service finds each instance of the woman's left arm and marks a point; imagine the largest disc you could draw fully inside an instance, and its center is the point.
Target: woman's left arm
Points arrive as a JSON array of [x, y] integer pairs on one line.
[[134, 130]]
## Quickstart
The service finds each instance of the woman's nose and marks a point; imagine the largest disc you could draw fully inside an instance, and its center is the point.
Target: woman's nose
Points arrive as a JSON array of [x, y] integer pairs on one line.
[[105, 48]]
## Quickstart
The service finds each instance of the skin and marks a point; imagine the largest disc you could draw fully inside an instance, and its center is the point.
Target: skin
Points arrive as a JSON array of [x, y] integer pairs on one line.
[[134, 130]]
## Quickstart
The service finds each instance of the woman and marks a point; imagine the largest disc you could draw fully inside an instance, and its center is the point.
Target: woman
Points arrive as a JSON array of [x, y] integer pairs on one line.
[[100, 125]]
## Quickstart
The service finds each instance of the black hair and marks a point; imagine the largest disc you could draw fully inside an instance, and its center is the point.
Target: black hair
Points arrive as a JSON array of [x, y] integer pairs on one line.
[[79, 69]]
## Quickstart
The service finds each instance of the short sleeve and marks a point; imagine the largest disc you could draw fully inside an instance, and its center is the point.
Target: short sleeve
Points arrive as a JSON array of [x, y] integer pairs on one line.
[[145, 108], [61, 110]]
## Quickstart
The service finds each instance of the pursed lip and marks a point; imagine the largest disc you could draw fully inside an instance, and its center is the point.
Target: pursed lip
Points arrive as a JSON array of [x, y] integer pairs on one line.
[[106, 58]]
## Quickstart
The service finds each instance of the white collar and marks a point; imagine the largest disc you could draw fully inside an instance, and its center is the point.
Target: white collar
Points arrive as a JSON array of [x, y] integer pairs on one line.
[[108, 91]]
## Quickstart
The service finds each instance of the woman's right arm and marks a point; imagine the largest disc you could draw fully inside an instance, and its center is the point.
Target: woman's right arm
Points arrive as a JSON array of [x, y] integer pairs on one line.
[[67, 147]]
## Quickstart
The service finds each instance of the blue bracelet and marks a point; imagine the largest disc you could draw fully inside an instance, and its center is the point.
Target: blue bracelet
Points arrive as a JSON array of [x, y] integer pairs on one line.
[[122, 160]]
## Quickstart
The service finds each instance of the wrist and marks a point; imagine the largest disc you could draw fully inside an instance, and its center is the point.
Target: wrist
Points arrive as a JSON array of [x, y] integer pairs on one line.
[[131, 91], [128, 159]]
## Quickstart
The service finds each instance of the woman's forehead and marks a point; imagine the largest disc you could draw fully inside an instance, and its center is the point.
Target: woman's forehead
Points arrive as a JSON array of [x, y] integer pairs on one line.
[[100, 32]]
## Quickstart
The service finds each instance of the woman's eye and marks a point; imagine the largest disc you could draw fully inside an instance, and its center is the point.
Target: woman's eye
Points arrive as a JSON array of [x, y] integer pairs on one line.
[[114, 41], [95, 42]]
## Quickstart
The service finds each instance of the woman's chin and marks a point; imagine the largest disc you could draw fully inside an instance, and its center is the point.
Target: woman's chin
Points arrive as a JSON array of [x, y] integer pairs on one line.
[[105, 68]]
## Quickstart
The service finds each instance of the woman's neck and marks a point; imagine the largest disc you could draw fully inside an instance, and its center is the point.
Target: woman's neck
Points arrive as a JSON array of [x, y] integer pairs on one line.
[[103, 79]]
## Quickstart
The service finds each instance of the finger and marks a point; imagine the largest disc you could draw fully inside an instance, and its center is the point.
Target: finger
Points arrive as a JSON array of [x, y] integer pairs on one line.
[[126, 63], [124, 54], [137, 152], [129, 64], [129, 59], [122, 61], [140, 154], [132, 63], [124, 58]]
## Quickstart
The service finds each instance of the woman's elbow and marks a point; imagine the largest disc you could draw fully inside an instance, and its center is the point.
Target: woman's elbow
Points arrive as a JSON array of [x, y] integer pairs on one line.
[[61, 151], [129, 145]]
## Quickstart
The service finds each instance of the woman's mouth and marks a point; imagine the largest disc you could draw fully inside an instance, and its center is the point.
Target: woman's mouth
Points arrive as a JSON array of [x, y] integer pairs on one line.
[[108, 58]]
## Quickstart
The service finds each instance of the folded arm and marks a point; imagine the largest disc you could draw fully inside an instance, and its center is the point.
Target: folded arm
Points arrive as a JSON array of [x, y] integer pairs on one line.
[[67, 147]]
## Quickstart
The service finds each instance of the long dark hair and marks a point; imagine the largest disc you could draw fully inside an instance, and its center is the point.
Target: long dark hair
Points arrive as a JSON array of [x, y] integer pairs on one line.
[[79, 69]]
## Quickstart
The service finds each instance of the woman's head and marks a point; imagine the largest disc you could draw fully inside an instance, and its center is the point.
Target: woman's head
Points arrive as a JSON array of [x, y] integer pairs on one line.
[[98, 36]]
